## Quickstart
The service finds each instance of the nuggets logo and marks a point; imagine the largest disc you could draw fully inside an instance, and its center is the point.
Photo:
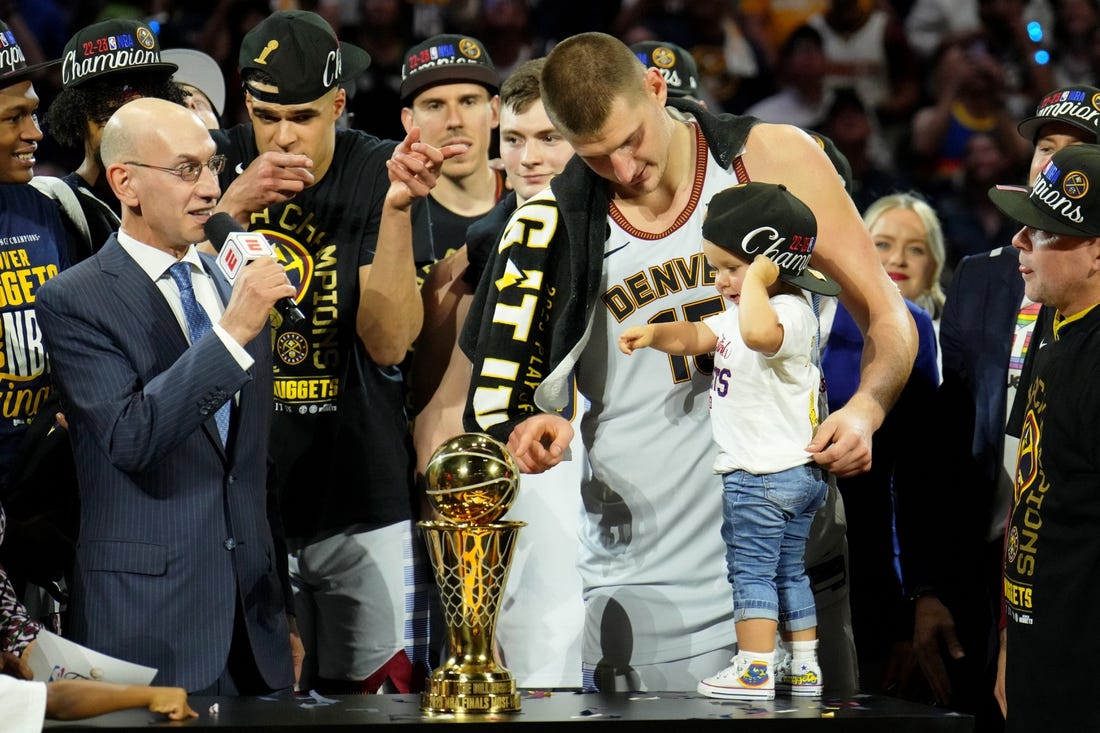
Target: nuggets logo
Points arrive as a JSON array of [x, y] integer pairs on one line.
[[291, 348], [1075, 185], [664, 58], [294, 259], [1095, 101], [1013, 545], [756, 675], [468, 47], [146, 38], [1027, 461]]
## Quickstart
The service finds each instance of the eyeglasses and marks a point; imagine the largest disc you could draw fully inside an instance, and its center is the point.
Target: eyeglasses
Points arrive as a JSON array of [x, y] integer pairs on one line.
[[189, 172]]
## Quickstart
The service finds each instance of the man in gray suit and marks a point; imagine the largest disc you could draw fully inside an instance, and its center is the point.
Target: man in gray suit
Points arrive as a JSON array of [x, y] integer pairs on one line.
[[175, 563]]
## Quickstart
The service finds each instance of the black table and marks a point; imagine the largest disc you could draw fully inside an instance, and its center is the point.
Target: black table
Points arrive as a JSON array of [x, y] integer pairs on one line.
[[543, 711]]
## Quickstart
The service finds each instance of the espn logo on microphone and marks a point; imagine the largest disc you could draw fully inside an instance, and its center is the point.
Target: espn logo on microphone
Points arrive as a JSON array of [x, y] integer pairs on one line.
[[239, 249]]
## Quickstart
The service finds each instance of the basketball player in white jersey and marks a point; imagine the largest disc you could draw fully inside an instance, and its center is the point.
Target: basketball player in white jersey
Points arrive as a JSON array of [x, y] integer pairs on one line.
[[616, 243]]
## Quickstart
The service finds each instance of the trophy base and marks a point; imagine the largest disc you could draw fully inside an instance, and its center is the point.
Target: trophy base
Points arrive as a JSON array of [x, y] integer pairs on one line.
[[470, 696]]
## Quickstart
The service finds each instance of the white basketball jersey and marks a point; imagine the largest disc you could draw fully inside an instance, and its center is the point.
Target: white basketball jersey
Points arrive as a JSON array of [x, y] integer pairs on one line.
[[652, 556], [540, 627]]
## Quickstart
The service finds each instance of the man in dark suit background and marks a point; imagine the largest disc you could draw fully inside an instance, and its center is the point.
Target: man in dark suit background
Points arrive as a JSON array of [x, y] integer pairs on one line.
[[176, 562]]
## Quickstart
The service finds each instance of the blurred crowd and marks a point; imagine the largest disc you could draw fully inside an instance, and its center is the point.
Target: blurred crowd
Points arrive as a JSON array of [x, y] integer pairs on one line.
[[920, 95]]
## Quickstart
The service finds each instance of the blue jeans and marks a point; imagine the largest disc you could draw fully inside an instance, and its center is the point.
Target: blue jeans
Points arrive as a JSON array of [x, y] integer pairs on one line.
[[765, 522]]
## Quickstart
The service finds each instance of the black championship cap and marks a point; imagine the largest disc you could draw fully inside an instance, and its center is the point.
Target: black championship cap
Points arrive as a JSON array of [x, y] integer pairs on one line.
[[1061, 200], [13, 64], [300, 52], [1077, 105], [447, 59], [753, 218], [675, 64], [115, 46]]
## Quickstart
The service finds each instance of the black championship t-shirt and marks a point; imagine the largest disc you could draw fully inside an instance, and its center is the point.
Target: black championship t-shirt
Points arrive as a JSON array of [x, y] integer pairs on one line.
[[438, 231], [100, 214], [340, 442], [483, 236], [1052, 547]]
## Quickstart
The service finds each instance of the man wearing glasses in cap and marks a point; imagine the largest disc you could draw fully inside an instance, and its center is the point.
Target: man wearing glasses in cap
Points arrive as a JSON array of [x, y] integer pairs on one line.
[[335, 204]]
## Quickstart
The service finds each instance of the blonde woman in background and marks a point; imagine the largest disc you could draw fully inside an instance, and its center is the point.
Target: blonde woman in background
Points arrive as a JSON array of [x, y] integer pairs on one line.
[[909, 239]]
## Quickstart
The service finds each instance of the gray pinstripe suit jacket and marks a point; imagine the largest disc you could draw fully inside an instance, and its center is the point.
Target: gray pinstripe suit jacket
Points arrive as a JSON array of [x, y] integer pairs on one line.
[[174, 528]]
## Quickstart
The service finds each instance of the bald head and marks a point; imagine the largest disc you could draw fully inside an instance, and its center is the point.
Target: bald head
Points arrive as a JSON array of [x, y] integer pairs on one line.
[[145, 124], [158, 162]]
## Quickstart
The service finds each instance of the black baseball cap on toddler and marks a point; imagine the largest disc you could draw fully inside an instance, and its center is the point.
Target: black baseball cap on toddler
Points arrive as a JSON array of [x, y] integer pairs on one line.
[[447, 59], [1061, 200], [1077, 105], [112, 47], [13, 64], [755, 218], [675, 64], [301, 53]]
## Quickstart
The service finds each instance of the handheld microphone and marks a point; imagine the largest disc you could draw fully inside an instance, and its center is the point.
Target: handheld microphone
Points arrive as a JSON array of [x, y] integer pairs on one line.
[[236, 248]]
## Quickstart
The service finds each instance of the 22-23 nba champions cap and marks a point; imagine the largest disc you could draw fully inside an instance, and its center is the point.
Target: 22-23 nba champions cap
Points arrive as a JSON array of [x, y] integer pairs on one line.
[[446, 59], [1062, 199], [756, 218], [111, 47]]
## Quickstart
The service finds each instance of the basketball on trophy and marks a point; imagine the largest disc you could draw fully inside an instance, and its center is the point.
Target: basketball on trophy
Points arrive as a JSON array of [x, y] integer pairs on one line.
[[472, 478]]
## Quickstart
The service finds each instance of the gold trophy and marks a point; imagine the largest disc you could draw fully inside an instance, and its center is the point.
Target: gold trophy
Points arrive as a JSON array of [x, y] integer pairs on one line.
[[472, 481]]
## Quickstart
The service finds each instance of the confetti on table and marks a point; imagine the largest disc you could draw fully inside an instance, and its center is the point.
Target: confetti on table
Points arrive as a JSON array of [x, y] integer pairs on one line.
[[315, 699]]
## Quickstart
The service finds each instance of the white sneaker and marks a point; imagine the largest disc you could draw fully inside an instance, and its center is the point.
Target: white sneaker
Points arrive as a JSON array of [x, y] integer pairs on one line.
[[802, 682], [745, 679]]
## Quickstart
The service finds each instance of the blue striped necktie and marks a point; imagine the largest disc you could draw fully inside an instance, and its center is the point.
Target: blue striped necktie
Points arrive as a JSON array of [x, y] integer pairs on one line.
[[198, 324]]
